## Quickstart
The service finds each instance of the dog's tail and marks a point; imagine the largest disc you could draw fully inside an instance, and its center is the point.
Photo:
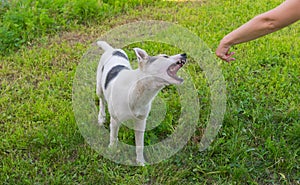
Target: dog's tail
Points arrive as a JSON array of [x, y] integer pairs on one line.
[[104, 45]]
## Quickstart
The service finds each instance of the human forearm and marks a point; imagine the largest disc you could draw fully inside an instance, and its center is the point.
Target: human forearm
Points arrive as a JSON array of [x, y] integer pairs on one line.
[[258, 26], [263, 24], [273, 20]]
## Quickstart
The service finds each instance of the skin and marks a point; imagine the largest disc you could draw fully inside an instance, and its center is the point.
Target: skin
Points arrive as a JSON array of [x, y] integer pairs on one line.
[[283, 15]]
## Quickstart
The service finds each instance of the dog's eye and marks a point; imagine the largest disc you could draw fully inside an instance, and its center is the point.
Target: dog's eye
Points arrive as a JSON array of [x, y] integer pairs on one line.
[[166, 56]]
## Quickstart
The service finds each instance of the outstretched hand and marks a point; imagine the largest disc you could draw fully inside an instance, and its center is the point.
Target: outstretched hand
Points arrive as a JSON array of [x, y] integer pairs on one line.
[[223, 53]]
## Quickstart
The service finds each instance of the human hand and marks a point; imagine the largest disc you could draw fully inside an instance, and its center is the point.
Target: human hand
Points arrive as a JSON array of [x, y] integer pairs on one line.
[[223, 53]]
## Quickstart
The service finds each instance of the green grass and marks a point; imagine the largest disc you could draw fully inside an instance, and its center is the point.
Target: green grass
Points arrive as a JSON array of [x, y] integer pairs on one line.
[[22, 22], [259, 142]]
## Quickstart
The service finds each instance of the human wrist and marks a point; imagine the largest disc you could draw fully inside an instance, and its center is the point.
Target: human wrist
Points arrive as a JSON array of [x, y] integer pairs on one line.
[[227, 41]]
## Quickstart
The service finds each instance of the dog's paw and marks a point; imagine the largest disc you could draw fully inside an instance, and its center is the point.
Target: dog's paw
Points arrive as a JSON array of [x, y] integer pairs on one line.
[[141, 162], [101, 120], [113, 144]]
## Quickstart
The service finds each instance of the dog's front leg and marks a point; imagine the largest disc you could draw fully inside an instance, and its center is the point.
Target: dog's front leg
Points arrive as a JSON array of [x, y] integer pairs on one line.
[[114, 129], [139, 141]]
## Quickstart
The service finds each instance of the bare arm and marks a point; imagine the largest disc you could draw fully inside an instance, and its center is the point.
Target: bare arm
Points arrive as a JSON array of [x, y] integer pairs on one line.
[[283, 15]]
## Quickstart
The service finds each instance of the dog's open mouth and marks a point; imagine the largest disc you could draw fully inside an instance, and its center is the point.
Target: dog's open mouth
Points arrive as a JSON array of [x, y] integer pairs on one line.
[[173, 69]]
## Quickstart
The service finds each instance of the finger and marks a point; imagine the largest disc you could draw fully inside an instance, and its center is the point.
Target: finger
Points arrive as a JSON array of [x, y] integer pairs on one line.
[[229, 57]]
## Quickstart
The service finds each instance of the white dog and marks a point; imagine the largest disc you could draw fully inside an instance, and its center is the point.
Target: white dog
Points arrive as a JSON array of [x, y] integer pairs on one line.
[[129, 93]]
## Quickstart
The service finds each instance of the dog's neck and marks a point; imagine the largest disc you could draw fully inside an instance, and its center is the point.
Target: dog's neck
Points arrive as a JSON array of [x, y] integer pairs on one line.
[[144, 91]]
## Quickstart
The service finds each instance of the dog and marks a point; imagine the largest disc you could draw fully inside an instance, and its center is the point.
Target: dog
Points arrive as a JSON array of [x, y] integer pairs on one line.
[[129, 92]]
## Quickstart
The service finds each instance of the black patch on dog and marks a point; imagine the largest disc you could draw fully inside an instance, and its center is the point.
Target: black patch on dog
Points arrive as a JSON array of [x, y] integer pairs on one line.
[[113, 73], [119, 54]]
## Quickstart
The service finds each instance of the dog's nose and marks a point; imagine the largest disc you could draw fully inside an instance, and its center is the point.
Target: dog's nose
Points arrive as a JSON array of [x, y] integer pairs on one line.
[[183, 55]]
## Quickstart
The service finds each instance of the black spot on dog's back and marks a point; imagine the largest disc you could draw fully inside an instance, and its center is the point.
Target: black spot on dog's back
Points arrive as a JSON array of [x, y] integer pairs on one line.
[[120, 54], [113, 73]]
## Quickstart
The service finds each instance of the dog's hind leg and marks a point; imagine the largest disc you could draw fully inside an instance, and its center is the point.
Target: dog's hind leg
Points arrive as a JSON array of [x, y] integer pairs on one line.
[[114, 130], [102, 114], [139, 141], [99, 92]]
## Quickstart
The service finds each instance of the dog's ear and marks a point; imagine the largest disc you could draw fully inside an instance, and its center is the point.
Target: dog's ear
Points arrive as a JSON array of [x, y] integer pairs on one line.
[[141, 54]]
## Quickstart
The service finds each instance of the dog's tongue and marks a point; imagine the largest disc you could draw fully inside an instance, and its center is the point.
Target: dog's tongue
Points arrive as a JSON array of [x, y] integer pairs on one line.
[[175, 68]]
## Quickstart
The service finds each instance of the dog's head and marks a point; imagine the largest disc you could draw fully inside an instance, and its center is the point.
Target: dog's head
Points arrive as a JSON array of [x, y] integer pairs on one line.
[[162, 66]]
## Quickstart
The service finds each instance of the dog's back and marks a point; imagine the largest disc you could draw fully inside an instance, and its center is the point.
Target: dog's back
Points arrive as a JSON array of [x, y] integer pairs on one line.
[[111, 63]]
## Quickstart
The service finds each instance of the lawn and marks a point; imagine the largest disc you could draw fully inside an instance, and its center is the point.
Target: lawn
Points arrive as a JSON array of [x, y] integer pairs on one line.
[[43, 45]]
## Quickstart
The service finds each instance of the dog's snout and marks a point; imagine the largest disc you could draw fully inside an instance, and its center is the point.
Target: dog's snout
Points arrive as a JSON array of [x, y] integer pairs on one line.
[[183, 55]]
